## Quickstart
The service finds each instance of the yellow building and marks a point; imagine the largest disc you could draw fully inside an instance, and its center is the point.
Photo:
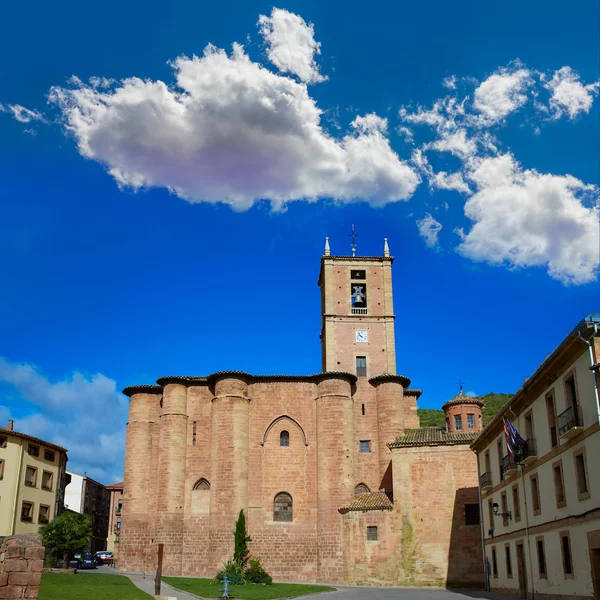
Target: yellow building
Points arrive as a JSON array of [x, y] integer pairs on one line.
[[541, 506], [32, 481]]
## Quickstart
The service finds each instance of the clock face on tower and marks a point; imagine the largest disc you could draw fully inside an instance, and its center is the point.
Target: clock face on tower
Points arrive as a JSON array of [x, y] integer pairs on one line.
[[361, 336]]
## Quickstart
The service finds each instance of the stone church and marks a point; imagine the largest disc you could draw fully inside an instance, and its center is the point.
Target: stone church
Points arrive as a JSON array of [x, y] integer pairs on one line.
[[338, 481]]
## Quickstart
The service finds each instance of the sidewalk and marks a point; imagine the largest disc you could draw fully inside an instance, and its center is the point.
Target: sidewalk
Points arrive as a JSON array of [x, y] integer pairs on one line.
[[147, 585]]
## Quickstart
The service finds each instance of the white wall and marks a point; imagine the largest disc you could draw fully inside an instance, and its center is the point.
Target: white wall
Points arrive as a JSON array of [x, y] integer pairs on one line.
[[73, 492]]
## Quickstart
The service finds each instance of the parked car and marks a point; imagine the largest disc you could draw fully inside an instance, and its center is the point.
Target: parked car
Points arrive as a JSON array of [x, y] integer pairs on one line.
[[88, 561], [104, 557]]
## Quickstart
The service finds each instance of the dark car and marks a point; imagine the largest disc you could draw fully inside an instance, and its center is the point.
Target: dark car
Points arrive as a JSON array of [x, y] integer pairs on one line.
[[88, 561], [104, 557]]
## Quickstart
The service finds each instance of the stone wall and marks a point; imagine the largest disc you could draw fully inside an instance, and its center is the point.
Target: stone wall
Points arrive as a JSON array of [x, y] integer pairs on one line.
[[21, 563]]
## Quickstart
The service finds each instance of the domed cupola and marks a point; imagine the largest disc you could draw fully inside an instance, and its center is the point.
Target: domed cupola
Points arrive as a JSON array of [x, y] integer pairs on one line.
[[463, 413]]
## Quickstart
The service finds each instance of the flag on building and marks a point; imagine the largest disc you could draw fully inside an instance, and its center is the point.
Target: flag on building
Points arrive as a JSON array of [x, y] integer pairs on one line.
[[513, 439]]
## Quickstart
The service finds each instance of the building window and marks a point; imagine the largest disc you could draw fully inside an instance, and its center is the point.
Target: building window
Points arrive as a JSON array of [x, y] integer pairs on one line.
[[504, 508], [119, 524], [359, 274], [472, 514], [27, 511], [529, 431], [47, 480], [494, 564], [535, 495], [516, 502], [284, 438], [491, 514], [120, 506], [565, 544], [201, 484], [1, 468], [372, 533], [457, 422], [363, 410], [470, 421], [365, 445], [49, 455], [44, 514], [541, 558], [3, 442], [559, 485], [361, 488], [488, 463], [551, 412], [282, 507], [583, 490], [508, 561], [194, 433], [33, 450], [30, 476], [571, 392], [500, 456], [361, 366]]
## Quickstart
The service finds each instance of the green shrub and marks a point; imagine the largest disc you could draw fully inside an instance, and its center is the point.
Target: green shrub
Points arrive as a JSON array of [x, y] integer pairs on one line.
[[256, 574], [234, 572]]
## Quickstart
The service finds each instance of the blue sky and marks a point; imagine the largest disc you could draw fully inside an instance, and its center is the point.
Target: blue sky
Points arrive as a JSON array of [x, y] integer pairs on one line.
[[152, 228]]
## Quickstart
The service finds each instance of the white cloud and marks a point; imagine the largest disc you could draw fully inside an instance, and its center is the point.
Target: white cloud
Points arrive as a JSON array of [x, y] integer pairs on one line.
[[429, 230], [231, 131], [22, 114], [84, 414], [450, 82], [569, 95], [449, 181], [291, 44], [523, 218], [502, 93], [456, 142]]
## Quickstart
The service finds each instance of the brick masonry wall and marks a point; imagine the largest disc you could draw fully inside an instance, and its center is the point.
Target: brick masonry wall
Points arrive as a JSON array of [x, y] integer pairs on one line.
[[21, 563], [431, 486]]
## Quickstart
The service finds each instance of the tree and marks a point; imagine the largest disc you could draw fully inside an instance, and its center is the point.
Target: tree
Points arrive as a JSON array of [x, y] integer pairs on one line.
[[241, 539], [66, 535]]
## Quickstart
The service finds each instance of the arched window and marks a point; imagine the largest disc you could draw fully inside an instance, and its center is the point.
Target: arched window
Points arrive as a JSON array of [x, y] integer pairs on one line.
[[284, 438], [361, 488], [282, 507], [202, 484]]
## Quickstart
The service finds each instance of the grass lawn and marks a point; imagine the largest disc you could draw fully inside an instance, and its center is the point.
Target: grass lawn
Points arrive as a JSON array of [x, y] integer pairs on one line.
[[85, 586], [249, 591]]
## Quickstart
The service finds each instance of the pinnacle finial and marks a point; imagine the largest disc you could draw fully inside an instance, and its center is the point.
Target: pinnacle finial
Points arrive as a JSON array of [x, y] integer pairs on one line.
[[353, 245], [327, 248], [386, 248]]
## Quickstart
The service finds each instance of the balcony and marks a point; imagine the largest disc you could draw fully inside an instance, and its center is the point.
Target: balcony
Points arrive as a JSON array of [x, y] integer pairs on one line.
[[359, 311], [509, 466], [570, 423], [485, 480], [528, 452]]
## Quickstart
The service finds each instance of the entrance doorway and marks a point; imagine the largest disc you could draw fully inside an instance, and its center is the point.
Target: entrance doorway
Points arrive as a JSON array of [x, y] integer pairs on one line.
[[595, 560], [522, 570]]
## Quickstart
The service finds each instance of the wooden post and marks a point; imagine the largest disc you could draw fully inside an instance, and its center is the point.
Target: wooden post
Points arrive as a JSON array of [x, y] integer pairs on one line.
[[161, 549]]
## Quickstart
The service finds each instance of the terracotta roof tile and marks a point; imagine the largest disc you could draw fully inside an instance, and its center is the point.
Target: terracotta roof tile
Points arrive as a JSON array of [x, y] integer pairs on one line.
[[368, 501], [432, 436], [30, 438], [462, 399]]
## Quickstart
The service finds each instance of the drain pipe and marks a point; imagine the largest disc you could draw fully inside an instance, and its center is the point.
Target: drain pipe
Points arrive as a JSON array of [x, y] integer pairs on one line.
[[591, 351]]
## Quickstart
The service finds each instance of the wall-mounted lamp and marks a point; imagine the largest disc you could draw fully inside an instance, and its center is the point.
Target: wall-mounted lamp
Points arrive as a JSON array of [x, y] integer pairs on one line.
[[497, 513]]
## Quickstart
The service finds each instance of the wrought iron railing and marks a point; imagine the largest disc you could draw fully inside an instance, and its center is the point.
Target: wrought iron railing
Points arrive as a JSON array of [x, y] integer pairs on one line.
[[568, 419], [485, 479], [526, 450], [507, 462]]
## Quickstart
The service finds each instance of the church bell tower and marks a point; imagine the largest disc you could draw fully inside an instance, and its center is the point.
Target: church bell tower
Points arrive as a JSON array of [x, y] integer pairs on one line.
[[357, 313]]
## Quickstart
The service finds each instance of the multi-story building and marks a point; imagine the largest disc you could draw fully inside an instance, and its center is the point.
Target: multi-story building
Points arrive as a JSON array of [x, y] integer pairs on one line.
[[32, 481], [86, 496], [336, 478], [114, 519], [541, 502]]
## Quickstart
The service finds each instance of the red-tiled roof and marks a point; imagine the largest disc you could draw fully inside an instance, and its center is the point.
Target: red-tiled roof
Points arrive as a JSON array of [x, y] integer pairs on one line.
[[115, 486], [24, 436], [433, 436], [368, 501]]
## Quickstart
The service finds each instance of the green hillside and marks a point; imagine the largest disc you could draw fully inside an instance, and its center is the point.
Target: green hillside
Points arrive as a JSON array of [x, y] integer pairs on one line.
[[492, 404]]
